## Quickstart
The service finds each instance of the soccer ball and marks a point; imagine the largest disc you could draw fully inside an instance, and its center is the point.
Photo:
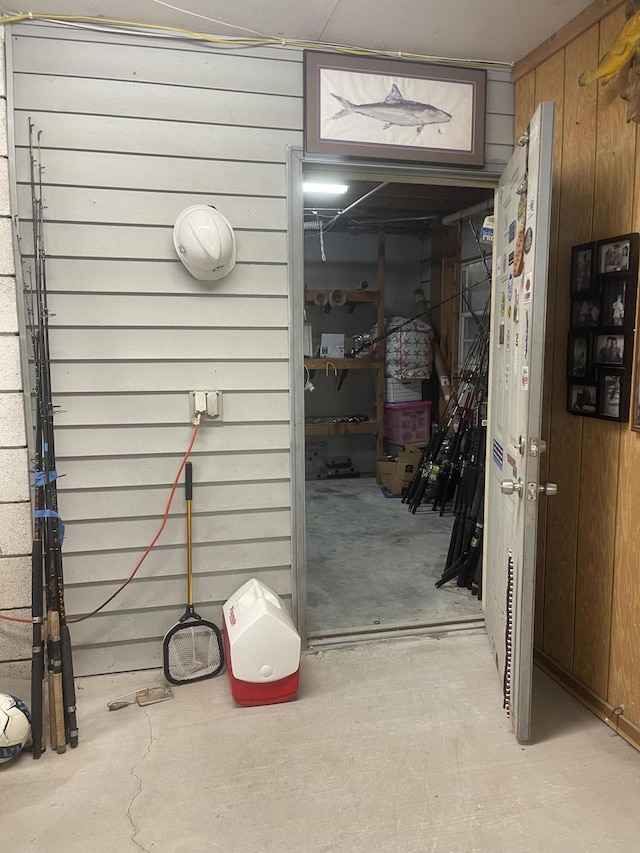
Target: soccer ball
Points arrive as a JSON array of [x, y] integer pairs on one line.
[[15, 726]]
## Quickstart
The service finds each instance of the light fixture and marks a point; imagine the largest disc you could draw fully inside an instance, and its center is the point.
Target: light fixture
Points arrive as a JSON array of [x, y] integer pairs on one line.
[[325, 189]]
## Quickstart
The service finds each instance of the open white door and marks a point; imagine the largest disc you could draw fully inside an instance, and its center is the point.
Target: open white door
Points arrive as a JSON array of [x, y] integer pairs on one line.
[[518, 314]]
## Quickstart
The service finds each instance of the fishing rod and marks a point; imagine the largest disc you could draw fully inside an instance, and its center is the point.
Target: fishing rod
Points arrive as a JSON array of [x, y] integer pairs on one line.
[[441, 458], [48, 528], [43, 473]]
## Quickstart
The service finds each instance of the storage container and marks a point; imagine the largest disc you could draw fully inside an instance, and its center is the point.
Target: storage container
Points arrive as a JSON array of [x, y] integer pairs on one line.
[[262, 646], [403, 392], [395, 475], [407, 423]]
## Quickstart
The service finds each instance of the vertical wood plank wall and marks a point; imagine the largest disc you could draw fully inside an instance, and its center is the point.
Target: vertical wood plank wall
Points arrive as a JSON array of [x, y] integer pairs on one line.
[[588, 596]]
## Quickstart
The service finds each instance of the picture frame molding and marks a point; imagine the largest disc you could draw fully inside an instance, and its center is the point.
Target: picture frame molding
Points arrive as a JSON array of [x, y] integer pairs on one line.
[[605, 285], [600, 404], [420, 74]]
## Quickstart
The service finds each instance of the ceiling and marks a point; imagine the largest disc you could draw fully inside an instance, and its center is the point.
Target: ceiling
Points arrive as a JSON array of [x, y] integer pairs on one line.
[[490, 30], [495, 31], [401, 207]]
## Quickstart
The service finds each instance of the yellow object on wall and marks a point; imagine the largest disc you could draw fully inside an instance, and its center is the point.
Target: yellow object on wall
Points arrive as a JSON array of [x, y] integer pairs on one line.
[[622, 51]]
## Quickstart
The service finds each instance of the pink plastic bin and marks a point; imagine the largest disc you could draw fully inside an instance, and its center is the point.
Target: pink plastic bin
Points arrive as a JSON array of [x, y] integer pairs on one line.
[[407, 423]]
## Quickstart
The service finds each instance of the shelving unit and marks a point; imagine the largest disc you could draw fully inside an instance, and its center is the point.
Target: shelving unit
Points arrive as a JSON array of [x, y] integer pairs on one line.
[[372, 427]]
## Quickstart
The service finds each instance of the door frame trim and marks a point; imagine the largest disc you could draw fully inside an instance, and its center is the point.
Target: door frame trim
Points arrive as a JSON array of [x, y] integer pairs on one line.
[[296, 162]]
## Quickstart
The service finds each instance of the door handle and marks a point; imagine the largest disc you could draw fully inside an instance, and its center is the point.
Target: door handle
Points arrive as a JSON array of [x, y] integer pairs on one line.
[[508, 487], [549, 489]]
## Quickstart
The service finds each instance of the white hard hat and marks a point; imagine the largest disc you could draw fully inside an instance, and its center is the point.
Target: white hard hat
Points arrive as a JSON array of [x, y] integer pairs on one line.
[[205, 242]]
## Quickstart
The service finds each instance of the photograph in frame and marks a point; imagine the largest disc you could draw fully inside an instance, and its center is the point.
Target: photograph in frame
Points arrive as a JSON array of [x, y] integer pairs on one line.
[[582, 398], [614, 256], [610, 396], [608, 349], [362, 106], [613, 302], [582, 268], [585, 313], [578, 362]]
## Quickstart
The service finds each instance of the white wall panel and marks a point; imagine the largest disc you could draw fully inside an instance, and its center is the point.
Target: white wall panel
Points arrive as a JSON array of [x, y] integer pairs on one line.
[[137, 533], [129, 503], [159, 344], [95, 275], [136, 171], [143, 100], [142, 243], [212, 310], [131, 207], [162, 376], [110, 472], [168, 408], [251, 556], [148, 600], [156, 64], [125, 441], [132, 132], [121, 134]]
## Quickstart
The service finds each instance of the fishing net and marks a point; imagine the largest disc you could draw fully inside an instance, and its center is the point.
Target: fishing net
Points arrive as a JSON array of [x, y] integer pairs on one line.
[[193, 651]]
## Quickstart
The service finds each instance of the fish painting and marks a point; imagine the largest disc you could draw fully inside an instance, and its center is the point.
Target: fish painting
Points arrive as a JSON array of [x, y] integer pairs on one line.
[[395, 110]]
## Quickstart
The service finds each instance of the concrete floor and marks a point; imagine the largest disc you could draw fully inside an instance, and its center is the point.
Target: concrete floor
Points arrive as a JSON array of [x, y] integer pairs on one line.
[[370, 562], [391, 747]]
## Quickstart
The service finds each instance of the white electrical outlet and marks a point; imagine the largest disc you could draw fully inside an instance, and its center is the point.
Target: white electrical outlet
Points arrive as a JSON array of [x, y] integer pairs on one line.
[[206, 404]]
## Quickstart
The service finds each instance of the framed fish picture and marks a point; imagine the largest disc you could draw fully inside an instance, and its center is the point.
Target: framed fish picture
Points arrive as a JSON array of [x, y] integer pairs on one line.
[[357, 106]]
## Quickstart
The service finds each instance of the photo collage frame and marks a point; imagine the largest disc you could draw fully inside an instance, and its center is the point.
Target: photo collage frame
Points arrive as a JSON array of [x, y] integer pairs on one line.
[[604, 276]]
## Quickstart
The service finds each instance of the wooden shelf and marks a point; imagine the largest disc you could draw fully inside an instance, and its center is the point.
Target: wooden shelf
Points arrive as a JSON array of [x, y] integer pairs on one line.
[[366, 428], [344, 363], [366, 297], [371, 296]]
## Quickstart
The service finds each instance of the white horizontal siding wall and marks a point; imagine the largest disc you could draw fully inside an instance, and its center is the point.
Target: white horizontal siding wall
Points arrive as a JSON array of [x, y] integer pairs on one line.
[[15, 510], [499, 128], [133, 131]]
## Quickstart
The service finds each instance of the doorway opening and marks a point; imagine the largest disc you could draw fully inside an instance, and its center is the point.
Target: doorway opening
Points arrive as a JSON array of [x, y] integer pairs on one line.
[[369, 257]]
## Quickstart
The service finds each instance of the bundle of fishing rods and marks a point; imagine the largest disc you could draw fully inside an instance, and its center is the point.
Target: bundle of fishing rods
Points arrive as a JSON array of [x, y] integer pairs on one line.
[[53, 701], [451, 474]]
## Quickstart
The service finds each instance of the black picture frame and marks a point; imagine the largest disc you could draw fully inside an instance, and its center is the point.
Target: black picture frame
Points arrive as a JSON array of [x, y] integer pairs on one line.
[[635, 404], [582, 268], [360, 106], [585, 312], [614, 302], [578, 356], [608, 349], [583, 399], [614, 256], [610, 393], [603, 294]]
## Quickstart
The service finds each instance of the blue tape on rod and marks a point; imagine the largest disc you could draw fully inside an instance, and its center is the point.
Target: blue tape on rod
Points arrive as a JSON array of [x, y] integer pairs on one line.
[[49, 513], [42, 477]]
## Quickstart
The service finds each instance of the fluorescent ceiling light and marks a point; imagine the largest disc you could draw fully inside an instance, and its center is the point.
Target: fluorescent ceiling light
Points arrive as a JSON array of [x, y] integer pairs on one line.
[[325, 189]]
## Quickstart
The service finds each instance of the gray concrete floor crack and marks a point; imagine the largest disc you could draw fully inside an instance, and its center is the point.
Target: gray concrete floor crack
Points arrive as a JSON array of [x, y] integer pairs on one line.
[[139, 791]]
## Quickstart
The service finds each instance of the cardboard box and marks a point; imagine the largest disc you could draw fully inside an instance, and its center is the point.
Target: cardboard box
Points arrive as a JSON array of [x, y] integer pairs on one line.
[[396, 475]]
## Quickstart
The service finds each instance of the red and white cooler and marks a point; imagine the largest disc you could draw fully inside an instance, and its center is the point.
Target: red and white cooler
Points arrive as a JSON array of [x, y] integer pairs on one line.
[[262, 646]]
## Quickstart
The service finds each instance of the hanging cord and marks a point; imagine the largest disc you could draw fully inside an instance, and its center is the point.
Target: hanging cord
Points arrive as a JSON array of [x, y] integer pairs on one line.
[[146, 553]]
